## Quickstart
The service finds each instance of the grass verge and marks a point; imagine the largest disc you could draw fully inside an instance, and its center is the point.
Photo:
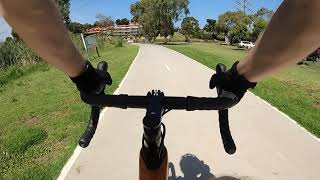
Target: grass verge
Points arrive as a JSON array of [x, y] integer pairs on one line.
[[42, 116], [296, 91]]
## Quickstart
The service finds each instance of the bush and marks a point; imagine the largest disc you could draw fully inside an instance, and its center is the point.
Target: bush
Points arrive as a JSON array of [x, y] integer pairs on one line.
[[15, 52], [117, 41]]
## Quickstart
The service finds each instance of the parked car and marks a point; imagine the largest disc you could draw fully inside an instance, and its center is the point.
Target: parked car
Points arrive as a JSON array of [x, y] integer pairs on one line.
[[246, 44]]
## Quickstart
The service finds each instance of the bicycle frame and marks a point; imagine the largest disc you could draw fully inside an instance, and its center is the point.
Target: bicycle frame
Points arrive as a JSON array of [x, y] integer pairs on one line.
[[153, 159]]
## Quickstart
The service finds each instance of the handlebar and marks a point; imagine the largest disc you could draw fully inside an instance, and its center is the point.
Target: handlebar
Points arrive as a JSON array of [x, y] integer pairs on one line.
[[224, 101], [124, 101]]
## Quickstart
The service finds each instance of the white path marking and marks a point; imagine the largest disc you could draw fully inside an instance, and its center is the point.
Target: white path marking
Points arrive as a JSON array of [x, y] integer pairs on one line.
[[168, 68]]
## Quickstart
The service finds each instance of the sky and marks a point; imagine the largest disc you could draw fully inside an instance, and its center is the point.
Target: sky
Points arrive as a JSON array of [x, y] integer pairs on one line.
[[85, 11]]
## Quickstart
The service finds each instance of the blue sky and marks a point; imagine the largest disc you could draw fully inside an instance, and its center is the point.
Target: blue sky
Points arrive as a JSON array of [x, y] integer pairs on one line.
[[84, 11]]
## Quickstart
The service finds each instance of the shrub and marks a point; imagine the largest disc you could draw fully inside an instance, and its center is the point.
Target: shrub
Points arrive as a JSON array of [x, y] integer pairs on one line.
[[117, 41], [15, 52]]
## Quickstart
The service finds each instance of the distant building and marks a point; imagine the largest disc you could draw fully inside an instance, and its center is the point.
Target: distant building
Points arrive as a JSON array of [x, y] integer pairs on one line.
[[130, 30]]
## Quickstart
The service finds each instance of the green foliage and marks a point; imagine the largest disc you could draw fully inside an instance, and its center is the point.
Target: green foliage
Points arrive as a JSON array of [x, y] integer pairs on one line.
[[204, 35], [238, 33], [16, 52], [49, 100], [238, 26], [64, 9], [123, 21], [210, 28], [23, 138], [158, 16], [76, 27], [234, 25], [117, 42], [189, 27], [259, 26], [264, 13]]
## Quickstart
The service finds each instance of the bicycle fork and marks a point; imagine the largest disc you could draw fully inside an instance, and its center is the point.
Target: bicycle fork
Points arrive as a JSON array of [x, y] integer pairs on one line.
[[153, 161]]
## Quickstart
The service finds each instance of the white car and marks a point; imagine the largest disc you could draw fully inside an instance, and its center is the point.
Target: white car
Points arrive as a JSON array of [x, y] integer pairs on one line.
[[246, 44]]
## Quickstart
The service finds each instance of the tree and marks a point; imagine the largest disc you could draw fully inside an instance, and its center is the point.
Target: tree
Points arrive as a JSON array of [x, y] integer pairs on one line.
[[118, 21], [260, 21], [258, 27], [234, 25], [158, 16], [189, 27], [104, 21], [123, 21], [264, 13], [210, 27], [76, 27], [64, 9]]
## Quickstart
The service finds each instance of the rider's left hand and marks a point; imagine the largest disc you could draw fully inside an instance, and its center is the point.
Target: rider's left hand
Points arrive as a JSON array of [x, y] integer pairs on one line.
[[92, 80]]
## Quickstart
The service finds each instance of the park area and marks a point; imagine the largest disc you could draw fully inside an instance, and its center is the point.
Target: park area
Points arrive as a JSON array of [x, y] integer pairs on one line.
[[42, 116], [295, 91]]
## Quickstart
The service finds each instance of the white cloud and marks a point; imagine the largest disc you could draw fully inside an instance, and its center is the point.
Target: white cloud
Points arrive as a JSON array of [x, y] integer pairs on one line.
[[5, 29]]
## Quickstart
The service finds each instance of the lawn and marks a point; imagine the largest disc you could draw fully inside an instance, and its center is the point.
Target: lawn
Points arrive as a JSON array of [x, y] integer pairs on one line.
[[42, 116], [295, 91]]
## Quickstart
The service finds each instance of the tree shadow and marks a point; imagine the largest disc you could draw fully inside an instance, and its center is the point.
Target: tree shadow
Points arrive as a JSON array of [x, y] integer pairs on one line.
[[195, 169], [173, 43]]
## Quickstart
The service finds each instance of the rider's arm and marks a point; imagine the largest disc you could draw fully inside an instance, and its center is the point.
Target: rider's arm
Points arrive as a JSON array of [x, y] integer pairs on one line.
[[293, 33], [39, 24]]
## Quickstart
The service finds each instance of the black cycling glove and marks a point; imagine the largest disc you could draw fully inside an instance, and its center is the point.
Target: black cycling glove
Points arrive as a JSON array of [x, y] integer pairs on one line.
[[231, 81], [92, 81]]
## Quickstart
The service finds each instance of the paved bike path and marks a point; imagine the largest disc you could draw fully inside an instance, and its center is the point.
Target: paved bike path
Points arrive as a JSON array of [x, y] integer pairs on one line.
[[269, 145]]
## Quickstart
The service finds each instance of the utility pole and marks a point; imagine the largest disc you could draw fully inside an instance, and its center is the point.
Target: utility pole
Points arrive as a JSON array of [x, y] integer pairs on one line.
[[244, 5]]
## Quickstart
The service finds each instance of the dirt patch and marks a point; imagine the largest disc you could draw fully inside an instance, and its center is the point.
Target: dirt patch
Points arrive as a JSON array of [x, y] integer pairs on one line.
[[317, 105], [33, 121]]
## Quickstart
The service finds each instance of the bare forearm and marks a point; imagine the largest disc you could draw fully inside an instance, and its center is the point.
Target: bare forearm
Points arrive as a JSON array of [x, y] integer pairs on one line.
[[41, 27], [292, 33]]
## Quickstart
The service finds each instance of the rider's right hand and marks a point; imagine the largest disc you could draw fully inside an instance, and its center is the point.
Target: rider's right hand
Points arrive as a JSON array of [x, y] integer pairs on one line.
[[91, 80], [232, 81]]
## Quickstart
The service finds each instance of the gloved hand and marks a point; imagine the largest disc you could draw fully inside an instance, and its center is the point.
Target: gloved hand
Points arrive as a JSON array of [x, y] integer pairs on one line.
[[92, 81], [231, 81]]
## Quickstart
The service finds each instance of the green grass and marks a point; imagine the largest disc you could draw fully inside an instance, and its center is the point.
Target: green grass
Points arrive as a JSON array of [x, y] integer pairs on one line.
[[42, 116], [296, 91]]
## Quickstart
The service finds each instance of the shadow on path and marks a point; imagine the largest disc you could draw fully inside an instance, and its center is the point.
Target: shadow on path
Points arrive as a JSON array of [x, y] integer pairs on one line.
[[195, 169]]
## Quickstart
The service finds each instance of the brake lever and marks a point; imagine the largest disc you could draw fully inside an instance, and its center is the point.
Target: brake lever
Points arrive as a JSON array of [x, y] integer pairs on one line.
[[91, 128], [226, 136], [95, 115]]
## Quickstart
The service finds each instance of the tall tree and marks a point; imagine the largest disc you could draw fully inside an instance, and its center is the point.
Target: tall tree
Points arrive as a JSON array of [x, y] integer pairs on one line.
[[234, 25], [76, 27], [64, 9], [264, 13], [118, 21], [259, 25], [189, 27], [210, 27], [158, 16], [103, 20], [124, 21]]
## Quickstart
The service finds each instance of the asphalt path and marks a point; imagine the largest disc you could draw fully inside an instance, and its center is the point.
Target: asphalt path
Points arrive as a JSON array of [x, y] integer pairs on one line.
[[270, 146]]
